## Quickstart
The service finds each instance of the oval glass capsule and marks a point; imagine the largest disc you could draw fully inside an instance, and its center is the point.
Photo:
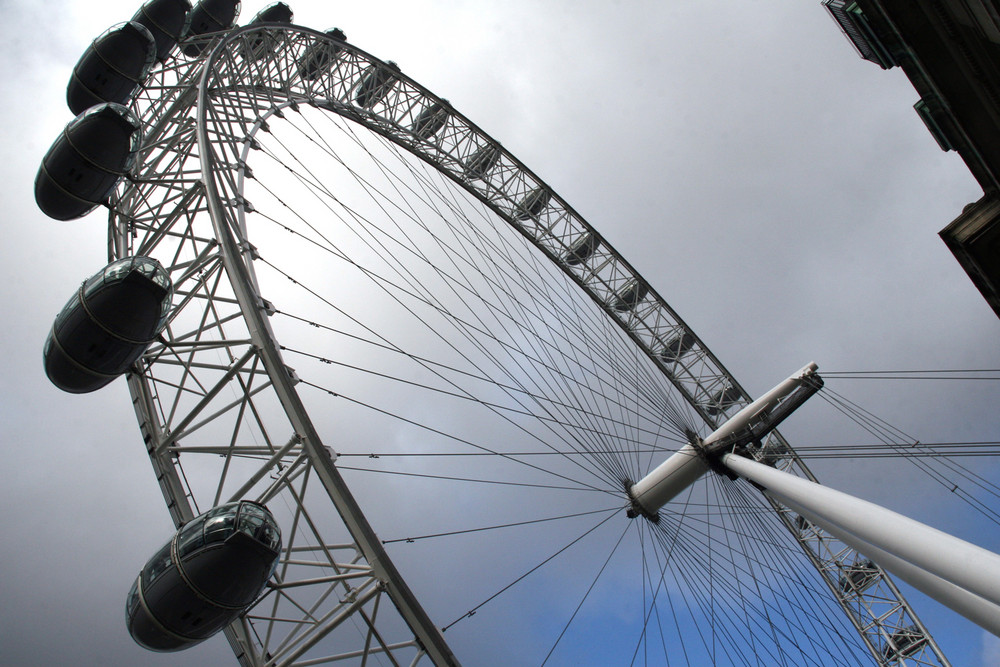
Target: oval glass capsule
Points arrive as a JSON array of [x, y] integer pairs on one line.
[[112, 68], [376, 84], [533, 203], [630, 295], [582, 249], [905, 642], [209, 573], [166, 21], [858, 577], [723, 400], [430, 121], [276, 12], [320, 55], [206, 17], [482, 162], [259, 44], [85, 163], [107, 324], [677, 347]]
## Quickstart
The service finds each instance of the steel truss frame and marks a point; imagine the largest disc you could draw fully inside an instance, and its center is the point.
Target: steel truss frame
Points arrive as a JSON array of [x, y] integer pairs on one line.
[[208, 390]]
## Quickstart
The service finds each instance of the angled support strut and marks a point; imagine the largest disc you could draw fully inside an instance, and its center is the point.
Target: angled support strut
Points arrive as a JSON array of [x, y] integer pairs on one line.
[[957, 574]]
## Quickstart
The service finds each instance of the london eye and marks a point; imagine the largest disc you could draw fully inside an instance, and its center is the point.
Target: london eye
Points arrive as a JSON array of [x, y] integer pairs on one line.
[[382, 323]]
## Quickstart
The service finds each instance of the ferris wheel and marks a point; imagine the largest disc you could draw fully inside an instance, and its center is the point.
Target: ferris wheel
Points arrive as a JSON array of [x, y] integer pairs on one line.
[[391, 335]]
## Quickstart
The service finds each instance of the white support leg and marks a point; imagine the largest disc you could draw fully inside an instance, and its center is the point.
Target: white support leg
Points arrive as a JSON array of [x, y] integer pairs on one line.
[[927, 558], [984, 614]]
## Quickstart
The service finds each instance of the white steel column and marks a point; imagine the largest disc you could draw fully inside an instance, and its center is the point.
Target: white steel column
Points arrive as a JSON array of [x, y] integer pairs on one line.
[[958, 574], [981, 612]]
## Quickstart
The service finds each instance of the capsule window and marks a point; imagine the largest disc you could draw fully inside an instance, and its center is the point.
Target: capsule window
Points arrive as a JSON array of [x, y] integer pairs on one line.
[[145, 266], [256, 522], [152, 270], [110, 109], [92, 111], [218, 528], [112, 273], [156, 566], [270, 536], [191, 538], [133, 599], [120, 269], [228, 508], [251, 519]]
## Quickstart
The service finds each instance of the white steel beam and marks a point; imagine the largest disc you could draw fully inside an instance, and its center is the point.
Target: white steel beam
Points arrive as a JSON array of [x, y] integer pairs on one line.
[[681, 469], [929, 559], [981, 612]]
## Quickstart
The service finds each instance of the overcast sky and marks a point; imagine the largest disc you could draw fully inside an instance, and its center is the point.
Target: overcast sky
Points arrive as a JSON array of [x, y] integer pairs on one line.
[[777, 190]]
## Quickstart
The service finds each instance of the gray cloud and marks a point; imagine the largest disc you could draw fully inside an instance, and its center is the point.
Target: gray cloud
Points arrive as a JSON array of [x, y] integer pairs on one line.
[[778, 191]]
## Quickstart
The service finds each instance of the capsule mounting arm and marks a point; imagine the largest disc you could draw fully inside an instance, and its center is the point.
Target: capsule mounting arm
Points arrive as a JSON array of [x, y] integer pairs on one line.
[[690, 462]]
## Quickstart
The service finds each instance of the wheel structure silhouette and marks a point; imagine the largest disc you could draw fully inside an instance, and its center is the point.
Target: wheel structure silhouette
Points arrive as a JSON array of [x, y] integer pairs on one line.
[[384, 321]]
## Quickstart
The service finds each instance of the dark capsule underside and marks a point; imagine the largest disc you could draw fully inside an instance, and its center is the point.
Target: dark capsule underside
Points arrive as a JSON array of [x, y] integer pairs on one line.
[[430, 121], [86, 162], [582, 249], [320, 55], [204, 578], [482, 162], [112, 68], [630, 295], [209, 16], [258, 45], [107, 325], [376, 84], [166, 20]]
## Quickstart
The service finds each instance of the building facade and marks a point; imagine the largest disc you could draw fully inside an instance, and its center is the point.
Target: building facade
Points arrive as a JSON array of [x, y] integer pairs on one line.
[[950, 51]]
